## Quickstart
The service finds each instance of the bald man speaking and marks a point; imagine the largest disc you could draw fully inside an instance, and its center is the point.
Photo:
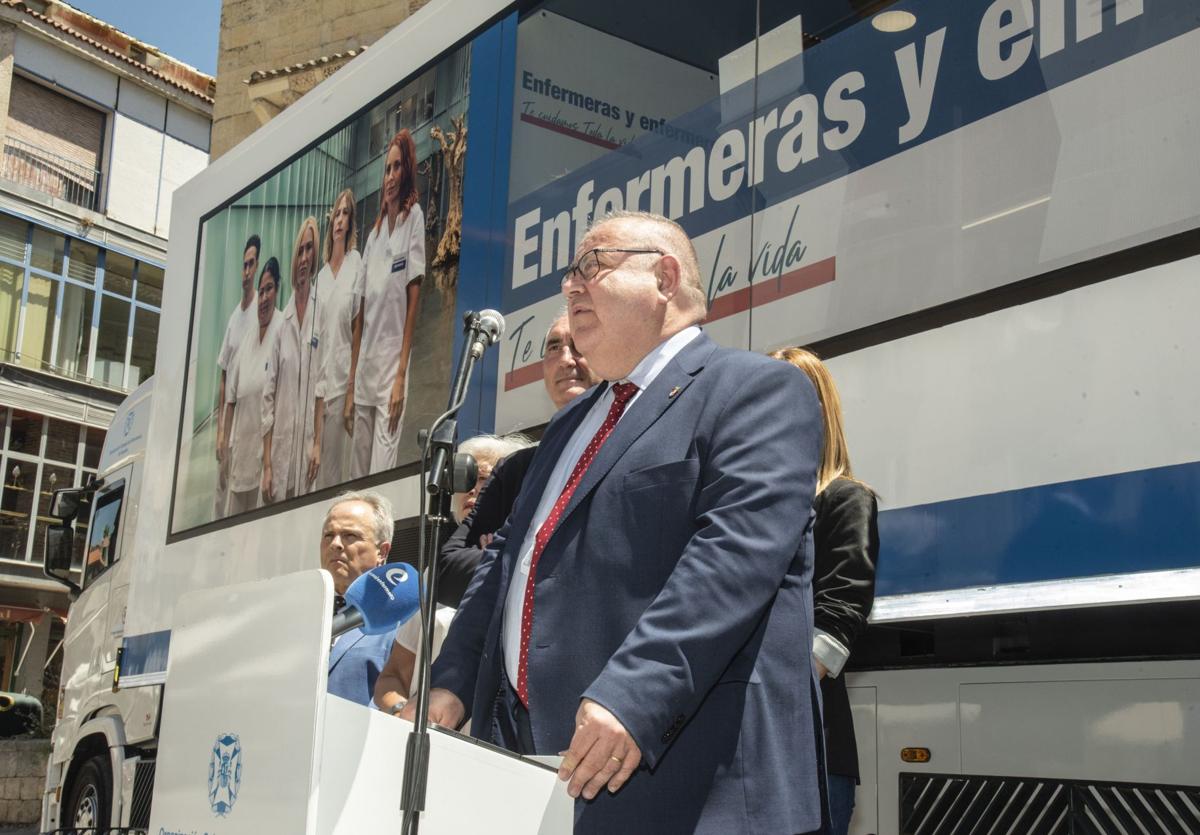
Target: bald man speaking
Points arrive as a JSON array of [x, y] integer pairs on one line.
[[650, 612]]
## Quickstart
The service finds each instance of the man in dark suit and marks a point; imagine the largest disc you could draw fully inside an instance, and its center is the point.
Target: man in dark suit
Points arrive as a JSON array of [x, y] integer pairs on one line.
[[355, 537], [650, 610]]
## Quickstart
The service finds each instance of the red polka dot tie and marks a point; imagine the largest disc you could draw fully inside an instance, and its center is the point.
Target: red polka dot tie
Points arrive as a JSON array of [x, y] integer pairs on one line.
[[622, 392]]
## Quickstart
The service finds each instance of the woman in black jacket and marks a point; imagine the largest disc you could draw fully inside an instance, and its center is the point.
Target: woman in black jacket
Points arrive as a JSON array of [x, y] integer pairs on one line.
[[846, 542]]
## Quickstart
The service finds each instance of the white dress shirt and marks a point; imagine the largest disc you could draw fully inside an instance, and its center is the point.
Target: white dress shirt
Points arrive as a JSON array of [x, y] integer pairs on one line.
[[642, 376]]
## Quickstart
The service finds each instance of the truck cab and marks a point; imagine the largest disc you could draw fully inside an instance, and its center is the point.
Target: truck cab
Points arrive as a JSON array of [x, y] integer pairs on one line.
[[99, 726]]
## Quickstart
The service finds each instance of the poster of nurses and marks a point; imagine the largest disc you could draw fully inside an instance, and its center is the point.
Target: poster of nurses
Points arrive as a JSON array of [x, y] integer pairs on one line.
[[322, 335]]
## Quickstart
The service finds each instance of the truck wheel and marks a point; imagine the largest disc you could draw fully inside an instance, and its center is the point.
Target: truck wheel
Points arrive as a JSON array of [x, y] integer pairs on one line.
[[89, 804]]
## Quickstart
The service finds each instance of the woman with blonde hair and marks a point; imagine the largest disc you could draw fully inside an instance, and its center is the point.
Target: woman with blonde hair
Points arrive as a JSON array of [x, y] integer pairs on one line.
[[846, 543], [392, 269], [339, 334], [288, 395]]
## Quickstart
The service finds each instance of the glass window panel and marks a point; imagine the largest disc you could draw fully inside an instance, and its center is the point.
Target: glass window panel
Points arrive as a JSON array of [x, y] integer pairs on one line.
[[26, 433], [62, 441], [104, 535], [12, 238], [53, 478], [110, 344], [16, 504], [149, 284], [118, 273], [83, 261], [12, 279], [79, 542], [75, 330], [39, 321], [145, 340], [92, 446], [48, 250]]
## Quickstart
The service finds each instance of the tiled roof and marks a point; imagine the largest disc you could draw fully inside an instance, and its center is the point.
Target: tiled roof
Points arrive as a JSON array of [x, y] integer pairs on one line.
[[176, 73], [262, 75]]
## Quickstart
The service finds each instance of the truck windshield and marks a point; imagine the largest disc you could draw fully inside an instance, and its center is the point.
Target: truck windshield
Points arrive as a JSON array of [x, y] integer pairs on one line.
[[103, 534]]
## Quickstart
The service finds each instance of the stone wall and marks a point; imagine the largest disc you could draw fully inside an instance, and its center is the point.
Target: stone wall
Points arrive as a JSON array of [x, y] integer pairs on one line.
[[22, 778], [271, 34]]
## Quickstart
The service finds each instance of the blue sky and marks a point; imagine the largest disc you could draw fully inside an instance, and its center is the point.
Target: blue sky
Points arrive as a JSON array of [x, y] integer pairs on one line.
[[184, 30]]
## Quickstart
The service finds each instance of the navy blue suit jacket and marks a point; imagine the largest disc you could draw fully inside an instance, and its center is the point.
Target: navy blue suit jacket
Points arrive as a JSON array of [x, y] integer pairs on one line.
[[676, 592], [355, 662]]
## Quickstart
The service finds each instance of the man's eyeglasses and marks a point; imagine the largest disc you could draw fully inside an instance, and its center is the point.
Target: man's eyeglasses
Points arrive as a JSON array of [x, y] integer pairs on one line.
[[588, 265]]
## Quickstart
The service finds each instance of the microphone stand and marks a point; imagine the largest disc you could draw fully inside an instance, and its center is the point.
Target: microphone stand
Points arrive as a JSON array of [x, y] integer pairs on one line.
[[439, 444]]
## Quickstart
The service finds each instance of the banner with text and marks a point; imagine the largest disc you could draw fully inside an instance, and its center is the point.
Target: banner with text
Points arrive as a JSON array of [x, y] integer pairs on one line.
[[985, 145]]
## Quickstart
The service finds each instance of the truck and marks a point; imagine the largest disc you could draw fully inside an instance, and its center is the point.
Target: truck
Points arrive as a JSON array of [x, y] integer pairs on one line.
[[985, 216]]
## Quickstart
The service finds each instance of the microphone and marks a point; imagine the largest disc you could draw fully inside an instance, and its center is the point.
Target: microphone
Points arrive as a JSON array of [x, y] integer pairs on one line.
[[380, 600], [486, 331]]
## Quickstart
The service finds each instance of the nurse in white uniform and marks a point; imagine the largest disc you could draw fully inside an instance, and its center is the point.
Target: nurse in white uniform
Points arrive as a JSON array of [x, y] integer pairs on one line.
[[288, 395], [339, 334], [241, 320], [393, 265], [244, 395]]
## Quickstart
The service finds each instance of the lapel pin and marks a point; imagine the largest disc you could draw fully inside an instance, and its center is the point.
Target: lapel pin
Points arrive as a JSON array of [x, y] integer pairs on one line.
[[671, 394]]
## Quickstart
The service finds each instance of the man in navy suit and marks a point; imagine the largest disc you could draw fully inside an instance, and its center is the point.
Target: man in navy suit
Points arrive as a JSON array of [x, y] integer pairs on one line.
[[651, 610], [355, 537]]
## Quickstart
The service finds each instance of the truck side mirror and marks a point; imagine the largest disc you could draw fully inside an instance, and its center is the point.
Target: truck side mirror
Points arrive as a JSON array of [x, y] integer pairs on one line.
[[60, 547], [65, 503]]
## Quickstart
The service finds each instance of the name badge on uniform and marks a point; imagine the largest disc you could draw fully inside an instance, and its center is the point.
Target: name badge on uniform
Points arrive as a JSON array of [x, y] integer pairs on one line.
[[400, 263]]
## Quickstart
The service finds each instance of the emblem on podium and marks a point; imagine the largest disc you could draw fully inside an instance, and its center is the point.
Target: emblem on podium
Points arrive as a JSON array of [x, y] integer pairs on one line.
[[224, 774]]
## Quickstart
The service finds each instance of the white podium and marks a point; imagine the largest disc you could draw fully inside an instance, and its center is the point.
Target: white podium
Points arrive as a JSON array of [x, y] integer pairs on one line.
[[251, 743]]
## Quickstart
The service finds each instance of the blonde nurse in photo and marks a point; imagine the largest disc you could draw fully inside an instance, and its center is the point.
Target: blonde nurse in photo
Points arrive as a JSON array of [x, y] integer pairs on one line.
[[339, 334], [244, 395], [393, 265], [289, 391]]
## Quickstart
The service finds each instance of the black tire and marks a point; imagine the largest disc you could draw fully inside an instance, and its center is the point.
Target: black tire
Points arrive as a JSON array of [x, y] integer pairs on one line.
[[89, 805]]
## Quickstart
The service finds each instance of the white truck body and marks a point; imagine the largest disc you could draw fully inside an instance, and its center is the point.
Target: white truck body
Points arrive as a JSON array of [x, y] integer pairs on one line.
[[1008, 307]]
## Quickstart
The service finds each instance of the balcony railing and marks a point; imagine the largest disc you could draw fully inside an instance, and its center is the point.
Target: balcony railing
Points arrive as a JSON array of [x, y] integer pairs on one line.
[[48, 172]]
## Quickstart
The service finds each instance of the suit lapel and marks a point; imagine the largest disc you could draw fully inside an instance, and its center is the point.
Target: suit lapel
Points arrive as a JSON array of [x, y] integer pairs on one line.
[[650, 405], [343, 646]]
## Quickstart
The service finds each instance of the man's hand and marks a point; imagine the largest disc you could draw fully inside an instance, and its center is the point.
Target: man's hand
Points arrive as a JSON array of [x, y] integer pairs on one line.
[[265, 484], [602, 753], [822, 670], [445, 709]]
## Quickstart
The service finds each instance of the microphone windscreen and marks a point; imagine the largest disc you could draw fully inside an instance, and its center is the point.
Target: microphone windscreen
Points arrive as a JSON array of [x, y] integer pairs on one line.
[[387, 596], [491, 322]]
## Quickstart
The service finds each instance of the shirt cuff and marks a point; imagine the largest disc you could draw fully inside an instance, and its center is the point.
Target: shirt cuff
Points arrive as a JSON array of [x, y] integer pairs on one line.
[[830, 652]]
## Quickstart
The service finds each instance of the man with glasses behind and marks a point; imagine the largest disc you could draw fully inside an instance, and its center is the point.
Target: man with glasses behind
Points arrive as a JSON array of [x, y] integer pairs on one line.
[[566, 375], [650, 610]]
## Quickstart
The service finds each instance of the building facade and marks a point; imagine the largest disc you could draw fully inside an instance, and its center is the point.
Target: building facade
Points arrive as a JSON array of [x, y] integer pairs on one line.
[[274, 51], [96, 131]]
